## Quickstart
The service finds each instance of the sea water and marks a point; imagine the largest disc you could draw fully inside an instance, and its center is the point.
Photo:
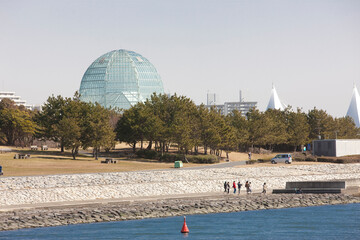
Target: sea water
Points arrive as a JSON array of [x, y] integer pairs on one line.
[[322, 222]]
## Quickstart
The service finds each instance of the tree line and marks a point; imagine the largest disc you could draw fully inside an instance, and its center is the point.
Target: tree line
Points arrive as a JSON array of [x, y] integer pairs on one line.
[[71, 123], [166, 121], [163, 121]]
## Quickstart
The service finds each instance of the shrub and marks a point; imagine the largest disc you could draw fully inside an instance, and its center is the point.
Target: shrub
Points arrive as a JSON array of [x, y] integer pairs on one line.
[[302, 156], [148, 154], [325, 159], [121, 154], [298, 156], [171, 157], [347, 160], [267, 160], [311, 158], [202, 158], [167, 157], [338, 160], [251, 162]]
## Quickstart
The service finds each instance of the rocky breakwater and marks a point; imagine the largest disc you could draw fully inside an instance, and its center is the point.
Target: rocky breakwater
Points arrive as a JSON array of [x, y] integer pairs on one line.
[[46, 217]]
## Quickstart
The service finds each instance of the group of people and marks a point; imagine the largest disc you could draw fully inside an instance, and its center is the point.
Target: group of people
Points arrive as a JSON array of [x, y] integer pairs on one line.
[[237, 187], [234, 185]]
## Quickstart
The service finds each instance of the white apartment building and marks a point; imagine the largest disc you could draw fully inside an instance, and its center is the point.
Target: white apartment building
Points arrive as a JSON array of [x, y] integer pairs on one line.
[[229, 107], [17, 99]]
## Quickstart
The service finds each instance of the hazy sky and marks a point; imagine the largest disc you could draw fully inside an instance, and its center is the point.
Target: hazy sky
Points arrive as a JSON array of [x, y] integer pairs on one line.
[[309, 49]]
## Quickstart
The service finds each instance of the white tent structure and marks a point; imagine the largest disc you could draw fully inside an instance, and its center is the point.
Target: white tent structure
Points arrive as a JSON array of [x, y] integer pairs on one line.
[[354, 108], [274, 102]]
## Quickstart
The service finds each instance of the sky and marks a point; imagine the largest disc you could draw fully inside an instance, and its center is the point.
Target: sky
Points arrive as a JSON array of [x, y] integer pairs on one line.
[[309, 49]]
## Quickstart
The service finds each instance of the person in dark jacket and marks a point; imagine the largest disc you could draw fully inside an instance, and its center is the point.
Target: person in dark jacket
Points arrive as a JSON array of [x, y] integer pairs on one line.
[[264, 188], [239, 187]]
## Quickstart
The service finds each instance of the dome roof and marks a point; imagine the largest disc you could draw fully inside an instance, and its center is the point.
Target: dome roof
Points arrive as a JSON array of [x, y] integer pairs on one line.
[[120, 78]]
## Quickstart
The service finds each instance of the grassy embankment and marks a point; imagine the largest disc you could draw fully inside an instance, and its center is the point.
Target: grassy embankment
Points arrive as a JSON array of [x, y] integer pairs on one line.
[[55, 162]]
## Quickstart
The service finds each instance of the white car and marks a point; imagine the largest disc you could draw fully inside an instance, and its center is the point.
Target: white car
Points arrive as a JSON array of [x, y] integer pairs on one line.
[[282, 158]]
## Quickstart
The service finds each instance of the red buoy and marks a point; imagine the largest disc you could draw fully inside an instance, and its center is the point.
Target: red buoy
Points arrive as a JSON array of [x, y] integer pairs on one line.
[[184, 227]]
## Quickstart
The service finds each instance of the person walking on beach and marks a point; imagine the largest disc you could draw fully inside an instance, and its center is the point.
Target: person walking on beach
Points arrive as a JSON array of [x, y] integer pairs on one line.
[[247, 187], [249, 155], [234, 186], [264, 188], [239, 187], [225, 186], [228, 187]]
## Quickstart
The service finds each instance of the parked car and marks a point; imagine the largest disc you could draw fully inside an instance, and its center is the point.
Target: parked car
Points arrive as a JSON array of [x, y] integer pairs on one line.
[[282, 158]]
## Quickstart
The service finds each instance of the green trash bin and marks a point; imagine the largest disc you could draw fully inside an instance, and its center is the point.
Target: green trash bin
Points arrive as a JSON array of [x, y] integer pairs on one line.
[[178, 164]]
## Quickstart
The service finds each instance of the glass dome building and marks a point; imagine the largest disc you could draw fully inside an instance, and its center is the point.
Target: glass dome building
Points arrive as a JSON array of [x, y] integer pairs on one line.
[[120, 78]]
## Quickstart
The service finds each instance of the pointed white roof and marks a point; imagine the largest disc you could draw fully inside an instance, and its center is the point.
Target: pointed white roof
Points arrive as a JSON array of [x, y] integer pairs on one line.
[[274, 102], [354, 108]]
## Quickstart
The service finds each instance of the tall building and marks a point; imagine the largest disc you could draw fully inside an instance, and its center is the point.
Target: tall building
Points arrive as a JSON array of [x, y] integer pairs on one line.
[[354, 107], [228, 107], [120, 78], [243, 107], [17, 99], [274, 102], [211, 99]]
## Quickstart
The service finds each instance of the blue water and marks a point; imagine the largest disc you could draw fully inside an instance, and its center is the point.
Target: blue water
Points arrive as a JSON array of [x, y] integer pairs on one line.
[[323, 222]]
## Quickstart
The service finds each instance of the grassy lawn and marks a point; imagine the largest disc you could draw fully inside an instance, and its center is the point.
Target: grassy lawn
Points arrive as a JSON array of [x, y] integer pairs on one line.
[[54, 162]]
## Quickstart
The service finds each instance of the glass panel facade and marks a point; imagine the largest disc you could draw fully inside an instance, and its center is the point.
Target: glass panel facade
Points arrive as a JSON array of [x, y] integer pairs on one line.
[[120, 78]]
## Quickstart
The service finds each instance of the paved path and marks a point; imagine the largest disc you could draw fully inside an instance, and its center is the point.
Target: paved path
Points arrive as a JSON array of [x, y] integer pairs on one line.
[[113, 200]]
